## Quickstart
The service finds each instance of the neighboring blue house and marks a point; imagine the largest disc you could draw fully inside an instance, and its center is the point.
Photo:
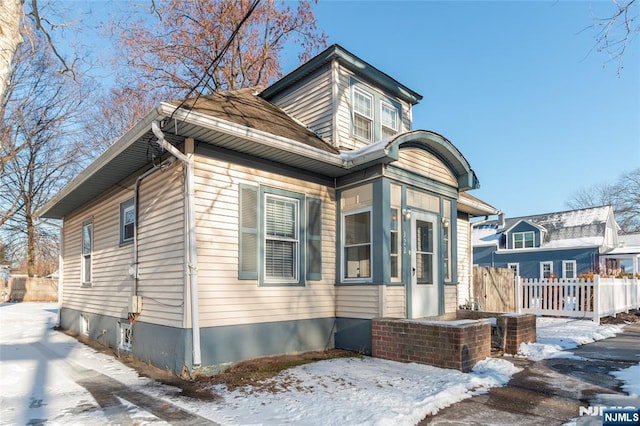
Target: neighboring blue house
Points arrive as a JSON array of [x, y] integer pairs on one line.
[[552, 245]]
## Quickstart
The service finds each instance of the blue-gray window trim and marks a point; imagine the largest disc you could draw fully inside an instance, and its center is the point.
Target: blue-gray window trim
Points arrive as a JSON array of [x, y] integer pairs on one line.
[[314, 237], [251, 225], [124, 206], [377, 110], [83, 259], [248, 243]]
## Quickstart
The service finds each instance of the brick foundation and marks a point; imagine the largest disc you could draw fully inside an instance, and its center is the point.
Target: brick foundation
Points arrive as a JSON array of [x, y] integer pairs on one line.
[[512, 329], [447, 344], [516, 329]]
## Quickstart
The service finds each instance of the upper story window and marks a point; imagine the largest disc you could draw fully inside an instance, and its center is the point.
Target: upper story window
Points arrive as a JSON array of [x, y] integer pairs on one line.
[[127, 221], [362, 114], [388, 119], [374, 116], [523, 239]]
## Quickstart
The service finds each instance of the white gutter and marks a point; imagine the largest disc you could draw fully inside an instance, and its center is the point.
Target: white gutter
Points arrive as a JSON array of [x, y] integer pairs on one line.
[[103, 160], [263, 138], [192, 263]]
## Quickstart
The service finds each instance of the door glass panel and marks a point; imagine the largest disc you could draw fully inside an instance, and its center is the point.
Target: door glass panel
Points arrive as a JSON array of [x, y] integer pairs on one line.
[[424, 252]]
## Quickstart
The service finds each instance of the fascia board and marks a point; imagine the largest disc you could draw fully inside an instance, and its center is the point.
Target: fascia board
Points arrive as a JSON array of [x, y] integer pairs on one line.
[[259, 136], [484, 209], [537, 249], [540, 228], [113, 151]]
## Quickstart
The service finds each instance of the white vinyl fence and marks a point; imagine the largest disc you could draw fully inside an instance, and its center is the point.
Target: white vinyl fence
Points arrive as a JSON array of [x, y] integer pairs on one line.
[[577, 298]]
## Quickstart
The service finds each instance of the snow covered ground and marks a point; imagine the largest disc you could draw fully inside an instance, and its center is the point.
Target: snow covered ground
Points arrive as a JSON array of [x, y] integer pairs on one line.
[[40, 370]]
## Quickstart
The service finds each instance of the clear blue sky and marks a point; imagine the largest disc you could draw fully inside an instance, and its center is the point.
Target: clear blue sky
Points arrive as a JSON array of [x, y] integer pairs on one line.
[[517, 86], [512, 84]]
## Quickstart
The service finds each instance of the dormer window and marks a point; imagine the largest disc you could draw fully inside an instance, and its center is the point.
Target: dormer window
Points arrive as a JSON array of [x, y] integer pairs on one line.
[[374, 115], [362, 114], [523, 239], [388, 119]]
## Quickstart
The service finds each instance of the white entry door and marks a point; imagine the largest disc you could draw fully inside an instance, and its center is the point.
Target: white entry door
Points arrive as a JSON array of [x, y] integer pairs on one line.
[[425, 290]]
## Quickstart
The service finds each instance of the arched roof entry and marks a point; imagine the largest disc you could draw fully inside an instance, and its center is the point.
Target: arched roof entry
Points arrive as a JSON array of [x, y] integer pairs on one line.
[[440, 147]]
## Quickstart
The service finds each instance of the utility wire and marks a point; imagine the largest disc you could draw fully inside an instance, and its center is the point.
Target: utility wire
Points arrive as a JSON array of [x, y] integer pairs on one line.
[[216, 60]]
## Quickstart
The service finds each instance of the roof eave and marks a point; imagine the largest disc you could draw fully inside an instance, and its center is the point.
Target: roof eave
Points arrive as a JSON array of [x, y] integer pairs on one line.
[[251, 134], [351, 62], [114, 150]]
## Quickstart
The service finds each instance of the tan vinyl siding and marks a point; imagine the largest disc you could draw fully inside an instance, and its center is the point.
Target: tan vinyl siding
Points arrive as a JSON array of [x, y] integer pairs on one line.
[[450, 299], [161, 253], [361, 301], [161, 249], [311, 104], [425, 164], [226, 300], [343, 119], [464, 260], [395, 302]]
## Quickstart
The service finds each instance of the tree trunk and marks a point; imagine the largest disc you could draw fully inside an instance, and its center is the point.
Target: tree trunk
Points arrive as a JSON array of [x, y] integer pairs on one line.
[[10, 38]]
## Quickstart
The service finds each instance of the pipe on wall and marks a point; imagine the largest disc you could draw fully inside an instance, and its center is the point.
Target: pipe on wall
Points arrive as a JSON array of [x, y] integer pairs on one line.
[[192, 263]]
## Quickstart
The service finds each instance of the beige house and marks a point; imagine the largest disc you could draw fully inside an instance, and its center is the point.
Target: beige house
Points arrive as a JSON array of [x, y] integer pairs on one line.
[[246, 224]]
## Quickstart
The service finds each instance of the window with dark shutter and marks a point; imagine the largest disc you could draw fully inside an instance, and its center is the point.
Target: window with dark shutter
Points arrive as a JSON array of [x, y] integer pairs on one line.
[[248, 251], [314, 239]]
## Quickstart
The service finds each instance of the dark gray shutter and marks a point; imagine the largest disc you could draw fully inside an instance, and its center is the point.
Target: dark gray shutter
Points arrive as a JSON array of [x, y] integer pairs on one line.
[[248, 250], [314, 239]]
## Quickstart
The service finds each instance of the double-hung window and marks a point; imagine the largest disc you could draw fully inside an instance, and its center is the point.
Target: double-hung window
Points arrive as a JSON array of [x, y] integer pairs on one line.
[[356, 222], [388, 119], [569, 269], [362, 114], [515, 267], [546, 270], [127, 221], [357, 244], [87, 252], [523, 239], [281, 257], [395, 232], [280, 236]]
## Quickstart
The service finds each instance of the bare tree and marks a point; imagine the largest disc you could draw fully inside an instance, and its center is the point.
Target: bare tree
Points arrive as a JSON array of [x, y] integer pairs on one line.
[[615, 32], [623, 195], [190, 48], [40, 115], [29, 25]]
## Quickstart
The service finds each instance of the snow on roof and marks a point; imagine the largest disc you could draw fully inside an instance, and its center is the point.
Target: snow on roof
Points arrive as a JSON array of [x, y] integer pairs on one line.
[[486, 235], [629, 240], [572, 228], [576, 242]]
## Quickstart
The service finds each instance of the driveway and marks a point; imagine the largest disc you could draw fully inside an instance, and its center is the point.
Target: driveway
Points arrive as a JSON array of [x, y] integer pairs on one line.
[[555, 391], [48, 378]]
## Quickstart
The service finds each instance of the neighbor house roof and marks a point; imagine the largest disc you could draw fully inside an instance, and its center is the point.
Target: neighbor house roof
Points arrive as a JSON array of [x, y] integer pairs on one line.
[[566, 229]]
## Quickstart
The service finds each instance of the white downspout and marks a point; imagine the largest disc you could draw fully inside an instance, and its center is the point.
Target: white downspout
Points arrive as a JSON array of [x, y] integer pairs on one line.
[[192, 263]]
